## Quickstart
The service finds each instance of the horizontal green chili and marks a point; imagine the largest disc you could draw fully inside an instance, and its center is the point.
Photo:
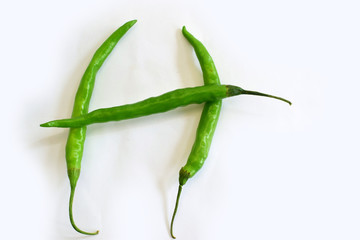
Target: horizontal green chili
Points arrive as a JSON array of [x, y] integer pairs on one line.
[[162, 103]]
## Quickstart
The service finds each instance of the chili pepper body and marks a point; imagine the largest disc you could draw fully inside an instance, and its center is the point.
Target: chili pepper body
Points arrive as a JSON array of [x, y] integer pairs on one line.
[[209, 117], [76, 138], [162, 103]]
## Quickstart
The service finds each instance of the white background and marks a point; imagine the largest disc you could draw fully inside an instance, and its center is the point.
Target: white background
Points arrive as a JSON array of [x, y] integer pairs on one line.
[[273, 172]]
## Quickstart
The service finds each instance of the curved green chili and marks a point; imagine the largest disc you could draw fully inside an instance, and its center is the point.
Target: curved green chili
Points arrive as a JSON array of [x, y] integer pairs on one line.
[[162, 103], [76, 138], [208, 120], [207, 124]]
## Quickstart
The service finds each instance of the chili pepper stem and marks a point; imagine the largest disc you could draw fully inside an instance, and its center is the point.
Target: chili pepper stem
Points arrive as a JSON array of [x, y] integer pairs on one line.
[[175, 210], [265, 95], [71, 214]]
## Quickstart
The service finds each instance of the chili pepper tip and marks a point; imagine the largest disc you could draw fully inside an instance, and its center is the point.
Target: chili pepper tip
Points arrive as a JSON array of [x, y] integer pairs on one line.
[[47, 124]]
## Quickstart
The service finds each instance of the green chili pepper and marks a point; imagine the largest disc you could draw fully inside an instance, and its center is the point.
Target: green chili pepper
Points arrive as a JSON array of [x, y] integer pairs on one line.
[[76, 138], [207, 124], [162, 103]]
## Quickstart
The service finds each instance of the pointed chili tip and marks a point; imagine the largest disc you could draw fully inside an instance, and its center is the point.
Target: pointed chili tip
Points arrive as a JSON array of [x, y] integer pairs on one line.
[[45, 124], [48, 124], [129, 24], [184, 31]]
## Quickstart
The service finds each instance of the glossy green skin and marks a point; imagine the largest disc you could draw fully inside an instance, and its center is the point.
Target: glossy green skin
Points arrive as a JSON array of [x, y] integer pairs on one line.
[[209, 116], [76, 138], [162, 103]]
